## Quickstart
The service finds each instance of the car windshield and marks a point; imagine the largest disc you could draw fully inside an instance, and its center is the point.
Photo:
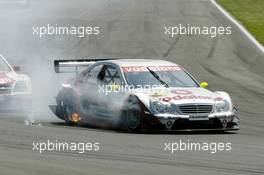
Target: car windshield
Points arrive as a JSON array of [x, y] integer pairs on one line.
[[156, 77], [3, 66]]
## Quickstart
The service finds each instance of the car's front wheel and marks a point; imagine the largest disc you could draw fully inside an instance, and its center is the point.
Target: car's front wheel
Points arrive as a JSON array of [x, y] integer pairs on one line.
[[132, 115], [133, 120]]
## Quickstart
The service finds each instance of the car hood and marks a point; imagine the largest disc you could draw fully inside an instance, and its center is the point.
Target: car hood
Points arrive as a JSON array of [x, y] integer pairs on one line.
[[6, 78], [180, 95]]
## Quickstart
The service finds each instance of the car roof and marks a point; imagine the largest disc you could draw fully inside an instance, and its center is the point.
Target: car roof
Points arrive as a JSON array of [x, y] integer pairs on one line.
[[140, 62]]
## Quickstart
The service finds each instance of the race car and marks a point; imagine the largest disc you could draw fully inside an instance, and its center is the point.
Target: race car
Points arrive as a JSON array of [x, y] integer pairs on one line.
[[15, 88], [140, 95]]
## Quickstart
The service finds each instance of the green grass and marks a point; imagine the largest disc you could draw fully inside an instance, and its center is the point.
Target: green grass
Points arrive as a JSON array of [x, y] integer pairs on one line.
[[250, 13]]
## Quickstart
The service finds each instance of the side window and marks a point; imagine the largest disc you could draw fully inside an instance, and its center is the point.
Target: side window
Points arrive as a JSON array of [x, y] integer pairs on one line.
[[110, 75], [92, 75]]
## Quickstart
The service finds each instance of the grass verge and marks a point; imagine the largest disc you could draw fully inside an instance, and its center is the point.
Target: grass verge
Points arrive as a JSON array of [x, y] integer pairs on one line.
[[250, 13]]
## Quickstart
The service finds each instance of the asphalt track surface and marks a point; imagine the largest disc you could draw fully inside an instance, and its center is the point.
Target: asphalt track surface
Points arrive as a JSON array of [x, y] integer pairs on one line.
[[130, 29]]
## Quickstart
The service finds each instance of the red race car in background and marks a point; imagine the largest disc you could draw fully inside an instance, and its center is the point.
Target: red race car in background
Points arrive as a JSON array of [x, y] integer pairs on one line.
[[15, 88]]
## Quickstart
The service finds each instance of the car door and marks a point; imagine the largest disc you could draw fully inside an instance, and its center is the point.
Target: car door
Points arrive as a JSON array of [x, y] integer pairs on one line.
[[113, 97], [96, 99], [87, 85]]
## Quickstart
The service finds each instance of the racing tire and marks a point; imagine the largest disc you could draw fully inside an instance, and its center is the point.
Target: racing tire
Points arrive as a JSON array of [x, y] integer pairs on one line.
[[69, 107], [132, 116]]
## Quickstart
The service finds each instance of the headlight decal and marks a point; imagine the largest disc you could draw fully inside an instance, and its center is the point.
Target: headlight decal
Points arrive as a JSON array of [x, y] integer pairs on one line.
[[222, 106], [160, 107]]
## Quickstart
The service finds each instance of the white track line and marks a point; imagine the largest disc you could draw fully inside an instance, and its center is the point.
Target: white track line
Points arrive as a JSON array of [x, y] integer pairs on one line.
[[241, 27]]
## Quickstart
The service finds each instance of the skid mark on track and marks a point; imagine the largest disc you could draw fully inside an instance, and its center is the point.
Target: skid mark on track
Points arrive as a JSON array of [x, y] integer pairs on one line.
[[213, 46], [75, 46], [171, 47], [215, 73]]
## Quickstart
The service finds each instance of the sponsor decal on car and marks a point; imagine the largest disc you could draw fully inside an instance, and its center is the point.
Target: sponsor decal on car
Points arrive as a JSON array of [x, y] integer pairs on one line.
[[5, 80], [158, 94], [182, 94], [168, 68], [185, 97]]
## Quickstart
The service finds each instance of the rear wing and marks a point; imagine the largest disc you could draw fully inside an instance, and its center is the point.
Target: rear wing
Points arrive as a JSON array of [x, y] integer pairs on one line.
[[71, 66]]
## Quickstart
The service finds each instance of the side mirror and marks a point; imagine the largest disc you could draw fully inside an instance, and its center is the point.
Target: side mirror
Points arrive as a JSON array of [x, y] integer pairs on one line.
[[17, 68], [204, 84]]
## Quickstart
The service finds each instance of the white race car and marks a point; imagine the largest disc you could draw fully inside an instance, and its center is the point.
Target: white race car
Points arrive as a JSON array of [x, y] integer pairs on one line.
[[15, 88], [141, 94]]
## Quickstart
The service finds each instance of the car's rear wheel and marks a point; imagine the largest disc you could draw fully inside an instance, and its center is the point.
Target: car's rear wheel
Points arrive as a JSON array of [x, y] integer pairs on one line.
[[69, 110]]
